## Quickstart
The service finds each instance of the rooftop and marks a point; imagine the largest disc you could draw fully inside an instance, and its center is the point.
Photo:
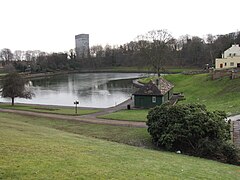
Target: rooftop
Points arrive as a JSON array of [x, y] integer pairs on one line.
[[152, 89]]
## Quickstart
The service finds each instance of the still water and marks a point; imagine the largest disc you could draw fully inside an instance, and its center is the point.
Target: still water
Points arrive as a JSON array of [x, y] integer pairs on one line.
[[90, 89]]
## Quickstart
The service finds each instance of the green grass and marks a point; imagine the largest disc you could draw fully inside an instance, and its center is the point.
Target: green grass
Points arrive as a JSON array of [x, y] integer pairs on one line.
[[120, 134], [181, 69], [221, 94], [49, 109], [169, 69], [129, 115], [28, 151]]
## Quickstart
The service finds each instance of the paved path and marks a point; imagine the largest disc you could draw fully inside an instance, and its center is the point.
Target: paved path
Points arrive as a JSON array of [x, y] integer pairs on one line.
[[91, 118], [236, 129], [103, 111], [236, 133], [234, 118]]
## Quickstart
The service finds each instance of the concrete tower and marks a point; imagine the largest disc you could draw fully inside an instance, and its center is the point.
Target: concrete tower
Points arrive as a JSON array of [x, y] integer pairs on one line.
[[82, 45]]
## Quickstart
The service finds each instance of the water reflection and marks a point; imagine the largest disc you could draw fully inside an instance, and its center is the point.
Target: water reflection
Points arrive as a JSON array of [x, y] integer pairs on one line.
[[91, 89]]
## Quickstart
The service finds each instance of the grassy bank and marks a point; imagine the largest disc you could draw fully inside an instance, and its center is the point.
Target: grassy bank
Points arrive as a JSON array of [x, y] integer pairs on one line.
[[130, 115], [222, 94], [29, 150], [49, 109], [146, 69], [120, 134]]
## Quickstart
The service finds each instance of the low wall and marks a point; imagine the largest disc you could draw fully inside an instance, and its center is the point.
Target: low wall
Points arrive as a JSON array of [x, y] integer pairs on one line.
[[231, 73]]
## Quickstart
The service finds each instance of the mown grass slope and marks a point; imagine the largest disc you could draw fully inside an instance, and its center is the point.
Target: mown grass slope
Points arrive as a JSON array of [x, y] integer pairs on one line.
[[121, 134], [129, 115], [49, 109], [29, 151], [222, 94]]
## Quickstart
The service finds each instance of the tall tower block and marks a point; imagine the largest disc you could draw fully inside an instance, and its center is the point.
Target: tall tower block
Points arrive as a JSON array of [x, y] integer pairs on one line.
[[82, 45]]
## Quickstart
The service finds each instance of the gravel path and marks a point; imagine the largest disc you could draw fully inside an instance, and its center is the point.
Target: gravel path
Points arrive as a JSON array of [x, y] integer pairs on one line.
[[236, 129], [91, 118]]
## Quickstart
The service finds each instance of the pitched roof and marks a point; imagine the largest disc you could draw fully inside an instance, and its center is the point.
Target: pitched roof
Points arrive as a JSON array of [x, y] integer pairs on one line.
[[152, 89]]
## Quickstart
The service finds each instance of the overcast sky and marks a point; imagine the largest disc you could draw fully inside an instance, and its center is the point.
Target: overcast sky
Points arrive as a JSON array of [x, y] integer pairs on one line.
[[50, 25]]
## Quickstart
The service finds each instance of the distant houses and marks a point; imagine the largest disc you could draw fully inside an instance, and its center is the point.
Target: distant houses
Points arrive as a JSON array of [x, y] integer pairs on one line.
[[230, 58], [153, 94]]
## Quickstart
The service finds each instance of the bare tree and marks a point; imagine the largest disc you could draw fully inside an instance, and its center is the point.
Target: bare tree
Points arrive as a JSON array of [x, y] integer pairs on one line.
[[9, 68], [18, 55], [6, 54], [156, 46], [210, 42], [72, 54], [28, 55]]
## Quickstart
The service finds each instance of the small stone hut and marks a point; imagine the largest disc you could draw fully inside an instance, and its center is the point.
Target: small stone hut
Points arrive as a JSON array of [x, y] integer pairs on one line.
[[153, 94]]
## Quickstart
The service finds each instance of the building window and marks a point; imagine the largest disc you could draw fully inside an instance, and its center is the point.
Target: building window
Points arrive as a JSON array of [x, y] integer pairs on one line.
[[234, 54], [154, 99], [225, 64], [231, 63], [230, 54]]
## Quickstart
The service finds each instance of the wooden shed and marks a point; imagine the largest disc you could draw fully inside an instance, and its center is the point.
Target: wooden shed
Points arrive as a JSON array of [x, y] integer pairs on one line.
[[153, 94]]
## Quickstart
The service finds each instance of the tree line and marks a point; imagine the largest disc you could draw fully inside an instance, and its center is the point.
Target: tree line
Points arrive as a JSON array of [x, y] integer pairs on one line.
[[156, 49]]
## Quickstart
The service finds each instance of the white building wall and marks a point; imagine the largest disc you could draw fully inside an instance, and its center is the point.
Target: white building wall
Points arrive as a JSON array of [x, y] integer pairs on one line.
[[232, 51], [230, 58], [225, 63]]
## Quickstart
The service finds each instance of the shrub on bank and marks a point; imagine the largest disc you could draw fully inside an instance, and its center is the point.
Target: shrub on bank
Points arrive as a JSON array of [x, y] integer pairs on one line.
[[192, 130]]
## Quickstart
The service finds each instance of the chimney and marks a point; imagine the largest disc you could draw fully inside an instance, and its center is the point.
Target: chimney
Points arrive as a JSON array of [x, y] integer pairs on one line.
[[158, 84]]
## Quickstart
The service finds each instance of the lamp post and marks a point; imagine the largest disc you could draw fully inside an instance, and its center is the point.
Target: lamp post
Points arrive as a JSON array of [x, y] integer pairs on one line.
[[76, 103]]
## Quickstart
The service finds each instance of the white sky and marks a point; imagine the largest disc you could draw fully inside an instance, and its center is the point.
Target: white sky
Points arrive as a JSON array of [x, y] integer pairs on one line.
[[50, 25]]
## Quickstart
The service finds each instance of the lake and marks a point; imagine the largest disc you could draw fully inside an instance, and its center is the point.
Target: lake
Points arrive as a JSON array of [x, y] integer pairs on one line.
[[99, 90]]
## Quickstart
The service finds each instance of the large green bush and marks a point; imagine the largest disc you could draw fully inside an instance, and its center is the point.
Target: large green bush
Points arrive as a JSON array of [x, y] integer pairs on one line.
[[192, 130]]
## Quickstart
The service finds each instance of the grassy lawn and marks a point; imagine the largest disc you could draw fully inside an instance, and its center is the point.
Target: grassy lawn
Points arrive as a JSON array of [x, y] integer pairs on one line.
[[180, 69], [121, 134], [29, 150], [221, 94], [49, 109], [129, 115], [148, 69]]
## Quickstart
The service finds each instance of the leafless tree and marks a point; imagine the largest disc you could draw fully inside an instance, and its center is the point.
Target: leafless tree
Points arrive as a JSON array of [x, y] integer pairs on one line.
[[155, 46], [6, 55], [96, 51], [210, 41], [28, 55], [18, 55]]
